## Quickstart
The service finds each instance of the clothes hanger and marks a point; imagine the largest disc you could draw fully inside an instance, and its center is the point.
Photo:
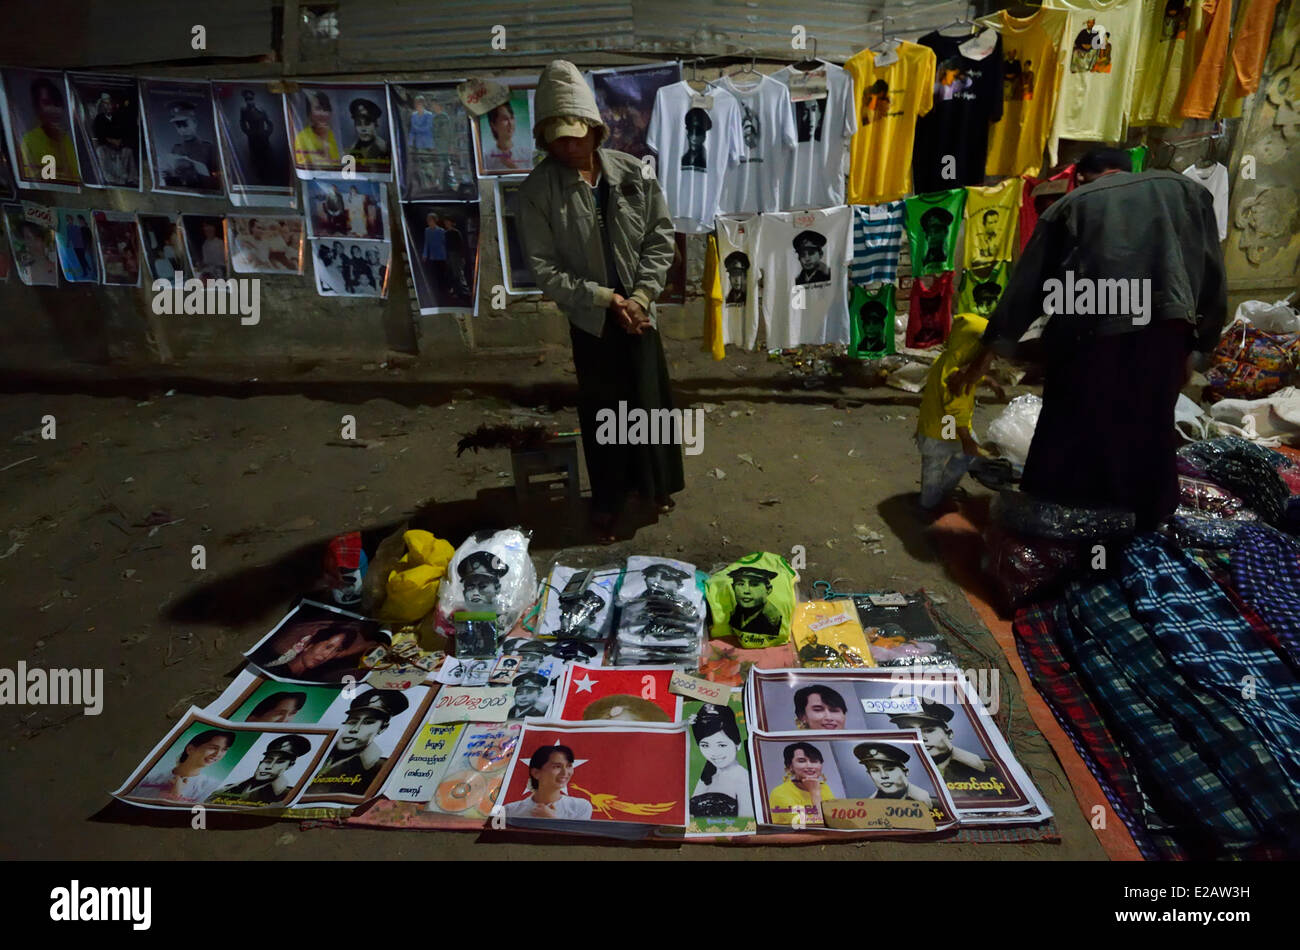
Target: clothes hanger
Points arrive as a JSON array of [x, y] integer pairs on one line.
[[965, 21], [812, 62], [879, 46], [695, 83], [749, 70]]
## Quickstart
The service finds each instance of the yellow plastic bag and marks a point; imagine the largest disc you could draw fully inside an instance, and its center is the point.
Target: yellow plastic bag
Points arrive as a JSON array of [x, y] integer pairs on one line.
[[412, 586]]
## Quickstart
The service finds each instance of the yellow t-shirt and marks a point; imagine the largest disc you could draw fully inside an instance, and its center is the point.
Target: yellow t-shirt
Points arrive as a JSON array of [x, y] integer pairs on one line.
[[310, 149], [787, 796], [713, 312], [962, 346], [1170, 44], [992, 214], [36, 145], [890, 99], [1102, 40], [1031, 52]]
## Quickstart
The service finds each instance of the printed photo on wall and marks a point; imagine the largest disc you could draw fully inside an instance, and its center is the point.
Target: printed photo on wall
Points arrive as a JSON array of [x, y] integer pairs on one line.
[[503, 137], [346, 208], [205, 245], [164, 247], [265, 244], [584, 777], [442, 248], [518, 276], [721, 801], [255, 145], [339, 128], [37, 118], [118, 238], [31, 238], [180, 135], [434, 147], [346, 268], [794, 779], [106, 126], [317, 643], [76, 241], [626, 98], [229, 766]]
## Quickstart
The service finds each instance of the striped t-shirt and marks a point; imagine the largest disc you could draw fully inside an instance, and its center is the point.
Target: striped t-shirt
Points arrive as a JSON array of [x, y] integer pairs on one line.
[[877, 241]]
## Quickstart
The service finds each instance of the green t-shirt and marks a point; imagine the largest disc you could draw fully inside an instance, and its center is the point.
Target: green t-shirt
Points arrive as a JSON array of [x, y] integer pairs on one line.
[[932, 222], [871, 322], [1138, 157], [981, 288], [753, 598]]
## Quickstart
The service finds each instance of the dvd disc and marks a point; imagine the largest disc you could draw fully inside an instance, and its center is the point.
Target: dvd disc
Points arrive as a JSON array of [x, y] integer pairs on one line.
[[460, 791], [489, 799], [496, 756]]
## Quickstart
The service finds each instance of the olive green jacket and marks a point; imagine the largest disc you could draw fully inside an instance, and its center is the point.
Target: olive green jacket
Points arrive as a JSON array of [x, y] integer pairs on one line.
[[561, 236]]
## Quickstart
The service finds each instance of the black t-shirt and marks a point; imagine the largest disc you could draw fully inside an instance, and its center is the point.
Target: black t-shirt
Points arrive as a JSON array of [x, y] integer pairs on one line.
[[967, 97]]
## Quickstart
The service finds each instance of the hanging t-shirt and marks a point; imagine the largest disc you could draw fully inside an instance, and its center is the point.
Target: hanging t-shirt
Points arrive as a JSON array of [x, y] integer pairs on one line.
[[737, 235], [767, 133], [929, 314], [877, 240], [932, 224], [753, 598], [696, 137], [991, 217], [1249, 47], [1137, 157], [952, 139], [981, 288], [890, 99], [1215, 179], [1203, 90], [713, 310], [871, 327], [803, 257], [1171, 36], [825, 118], [1031, 77], [1097, 85], [1034, 201]]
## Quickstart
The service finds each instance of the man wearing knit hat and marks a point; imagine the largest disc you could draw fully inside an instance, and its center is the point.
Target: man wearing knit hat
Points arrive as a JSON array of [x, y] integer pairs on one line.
[[599, 240]]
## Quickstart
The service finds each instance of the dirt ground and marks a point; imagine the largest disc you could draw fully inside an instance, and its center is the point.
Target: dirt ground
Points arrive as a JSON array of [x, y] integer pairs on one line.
[[101, 521]]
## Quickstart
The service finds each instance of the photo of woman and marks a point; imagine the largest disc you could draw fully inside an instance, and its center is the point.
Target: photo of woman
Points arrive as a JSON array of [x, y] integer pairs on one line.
[[184, 780], [549, 771], [723, 787], [503, 136], [315, 644], [804, 788]]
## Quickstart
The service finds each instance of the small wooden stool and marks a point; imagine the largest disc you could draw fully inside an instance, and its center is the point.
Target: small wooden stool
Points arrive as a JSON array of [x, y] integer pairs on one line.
[[535, 472]]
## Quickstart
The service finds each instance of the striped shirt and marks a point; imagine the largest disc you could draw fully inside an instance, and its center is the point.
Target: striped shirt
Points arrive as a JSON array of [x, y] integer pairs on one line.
[[877, 239]]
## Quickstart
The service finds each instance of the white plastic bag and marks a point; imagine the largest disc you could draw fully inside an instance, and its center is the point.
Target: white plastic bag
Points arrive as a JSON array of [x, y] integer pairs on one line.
[[1189, 419], [490, 571], [1012, 431], [1270, 317]]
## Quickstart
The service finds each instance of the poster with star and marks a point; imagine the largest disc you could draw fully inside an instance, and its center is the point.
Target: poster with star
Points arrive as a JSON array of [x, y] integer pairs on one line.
[[619, 780], [624, 693]]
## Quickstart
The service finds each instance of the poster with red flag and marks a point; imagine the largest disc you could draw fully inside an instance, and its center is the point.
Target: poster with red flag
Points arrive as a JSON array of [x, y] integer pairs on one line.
[[620, 693], [571, 776]]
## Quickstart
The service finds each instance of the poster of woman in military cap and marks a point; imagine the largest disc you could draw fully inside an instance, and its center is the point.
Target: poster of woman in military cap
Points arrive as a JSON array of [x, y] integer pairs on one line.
[[341, 129], [180, 136]]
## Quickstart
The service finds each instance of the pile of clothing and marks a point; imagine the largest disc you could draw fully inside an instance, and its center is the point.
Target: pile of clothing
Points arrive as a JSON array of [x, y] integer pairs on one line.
[[660, 614]]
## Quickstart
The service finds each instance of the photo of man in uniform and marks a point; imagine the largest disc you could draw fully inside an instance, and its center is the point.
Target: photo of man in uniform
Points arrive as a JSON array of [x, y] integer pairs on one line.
[[664, 580], [872, 318], [356, 759], [986, 296], [267, 785], [737, 267], [698, 124], [965, 773], [369, 146], [531, 698], [193, 162], [754, 614], [887, 767], [811, 250], [935, 224], [986, 238], [257, 128], [480, 575]]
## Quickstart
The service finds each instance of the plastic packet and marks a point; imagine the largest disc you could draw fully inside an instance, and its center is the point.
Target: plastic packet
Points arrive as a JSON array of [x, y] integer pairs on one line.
[[490, 571], [578, 602], [1013, 430], [1023, 514]]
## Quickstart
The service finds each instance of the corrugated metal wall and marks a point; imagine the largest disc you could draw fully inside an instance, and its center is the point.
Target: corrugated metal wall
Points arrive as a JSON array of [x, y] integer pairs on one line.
[[90, 33]]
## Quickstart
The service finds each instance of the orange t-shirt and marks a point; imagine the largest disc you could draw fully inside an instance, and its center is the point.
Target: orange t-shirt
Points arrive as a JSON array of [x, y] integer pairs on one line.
[[1203, 91], [1251, 46]]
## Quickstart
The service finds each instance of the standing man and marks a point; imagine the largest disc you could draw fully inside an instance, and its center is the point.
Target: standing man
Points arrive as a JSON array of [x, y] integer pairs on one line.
[[599, 240], [267, 785], [257, 128], [355, 202], [356, 759], [1104, 437]]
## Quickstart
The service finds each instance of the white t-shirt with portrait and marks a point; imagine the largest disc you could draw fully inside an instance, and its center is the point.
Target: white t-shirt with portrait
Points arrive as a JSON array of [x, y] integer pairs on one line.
[[691, 170], [767, 134], [805, 305], [737, 234], [819, 162]]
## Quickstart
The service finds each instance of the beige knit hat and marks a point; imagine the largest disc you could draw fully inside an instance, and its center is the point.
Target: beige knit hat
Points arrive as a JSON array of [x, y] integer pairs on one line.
[[562, 94]]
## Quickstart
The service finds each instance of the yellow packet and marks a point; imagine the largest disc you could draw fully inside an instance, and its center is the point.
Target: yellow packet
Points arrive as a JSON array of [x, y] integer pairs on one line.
[[827, 633]]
